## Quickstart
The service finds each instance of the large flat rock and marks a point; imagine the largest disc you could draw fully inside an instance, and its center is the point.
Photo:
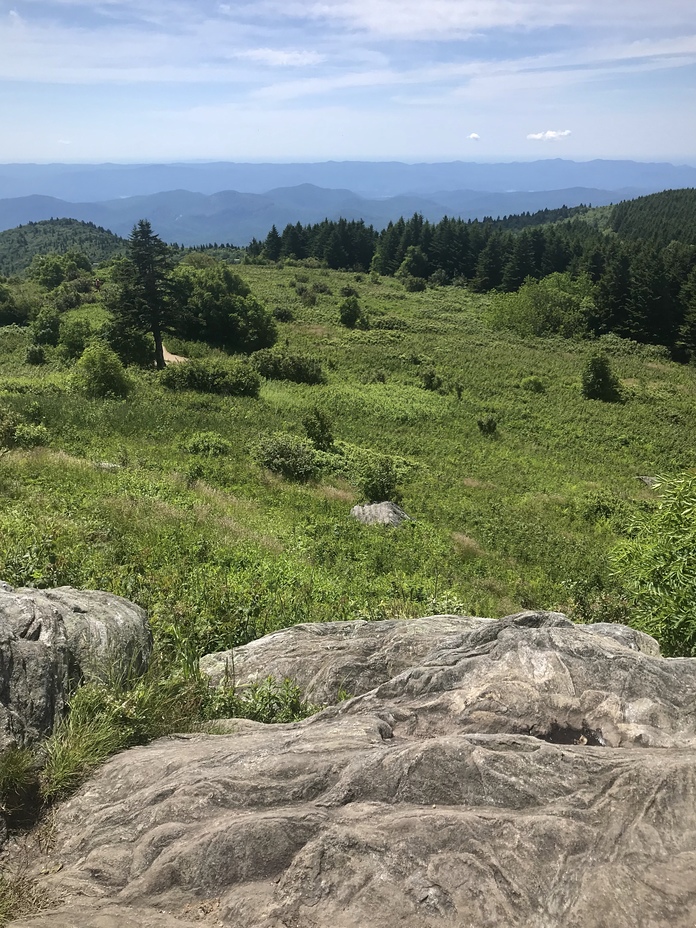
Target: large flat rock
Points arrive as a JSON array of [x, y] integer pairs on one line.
[[526, 772]]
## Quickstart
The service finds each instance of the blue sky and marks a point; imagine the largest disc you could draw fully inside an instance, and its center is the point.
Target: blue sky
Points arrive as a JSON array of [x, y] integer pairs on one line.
[[283, 80]]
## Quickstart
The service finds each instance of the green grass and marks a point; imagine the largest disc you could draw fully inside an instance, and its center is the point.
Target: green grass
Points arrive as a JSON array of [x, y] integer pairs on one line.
[[129, 497], [220, 551]]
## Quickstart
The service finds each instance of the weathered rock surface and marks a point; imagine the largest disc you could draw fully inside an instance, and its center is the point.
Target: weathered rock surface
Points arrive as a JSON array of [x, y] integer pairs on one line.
[[333, 659], [380, 514], [49, 641], [526, 772]]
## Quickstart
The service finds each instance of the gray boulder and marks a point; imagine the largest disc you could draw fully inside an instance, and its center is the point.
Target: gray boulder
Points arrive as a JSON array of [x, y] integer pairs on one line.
[[526, 772], [52, 639], [380, 514]]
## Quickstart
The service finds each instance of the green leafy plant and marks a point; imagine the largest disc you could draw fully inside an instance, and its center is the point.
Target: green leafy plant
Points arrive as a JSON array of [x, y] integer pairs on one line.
[[281, 364], [350, 312], [30, 435], [208, 443], [9, 422], [318, 427], [35, 355], [533, 385], [270, 701], [287, 455], [379, 480], [230, 378], [99, 374], [599, 381], [656, 567], [487, 425]]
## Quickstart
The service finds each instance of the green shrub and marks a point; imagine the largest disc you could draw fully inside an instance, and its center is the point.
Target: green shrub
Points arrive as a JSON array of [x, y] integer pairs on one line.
[[599, 381], [487, 425], [281, 364], [413, 284], [28, 435], [35, 355], [45, 329], [74, 336], [287, 455], [130, 344], [350, 312], [269, 701], [656, 566], [379, 480], [283, 314], [533, 385], [431, 380], [99, 374], [229, 378], [208, 443], [9, 422], [318, 427], [307, 297]]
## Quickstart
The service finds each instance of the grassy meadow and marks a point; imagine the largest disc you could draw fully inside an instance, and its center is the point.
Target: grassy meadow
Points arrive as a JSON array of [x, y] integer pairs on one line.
[[221, 551]]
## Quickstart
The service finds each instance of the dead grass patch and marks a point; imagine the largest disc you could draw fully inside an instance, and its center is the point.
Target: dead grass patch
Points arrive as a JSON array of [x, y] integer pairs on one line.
[[340, 494], [467, 545]]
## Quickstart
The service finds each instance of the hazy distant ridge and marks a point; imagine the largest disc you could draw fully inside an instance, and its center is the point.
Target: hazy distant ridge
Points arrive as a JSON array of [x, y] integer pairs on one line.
[[235, 217], [99, 182]]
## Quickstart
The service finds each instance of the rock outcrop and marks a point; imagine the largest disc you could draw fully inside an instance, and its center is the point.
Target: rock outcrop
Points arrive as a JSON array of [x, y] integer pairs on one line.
[[332, 660], [524, 772], [52, 639], [380, 514]]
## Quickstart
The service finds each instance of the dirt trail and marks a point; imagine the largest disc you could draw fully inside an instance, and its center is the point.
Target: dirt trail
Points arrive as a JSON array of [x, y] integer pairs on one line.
[[172, 358]]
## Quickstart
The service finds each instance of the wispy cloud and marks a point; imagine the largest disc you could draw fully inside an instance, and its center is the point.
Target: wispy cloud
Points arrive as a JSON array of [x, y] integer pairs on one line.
[[281, 58], [551, 135], [504, 66]]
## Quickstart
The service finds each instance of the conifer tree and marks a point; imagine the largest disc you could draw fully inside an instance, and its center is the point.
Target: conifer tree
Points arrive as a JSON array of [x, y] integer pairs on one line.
[[142, 299]]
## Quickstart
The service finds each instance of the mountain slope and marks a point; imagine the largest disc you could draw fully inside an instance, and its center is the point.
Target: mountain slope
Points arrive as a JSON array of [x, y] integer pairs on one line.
[[659, 218], [18, 246]]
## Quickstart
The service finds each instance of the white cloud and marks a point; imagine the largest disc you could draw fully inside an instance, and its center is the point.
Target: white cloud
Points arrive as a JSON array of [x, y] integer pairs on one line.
[[279, 58], [453, 19], [551, 135], [474, 136]]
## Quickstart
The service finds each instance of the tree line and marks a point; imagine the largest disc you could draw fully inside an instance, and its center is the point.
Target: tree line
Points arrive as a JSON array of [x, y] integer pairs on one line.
[[635, 288]]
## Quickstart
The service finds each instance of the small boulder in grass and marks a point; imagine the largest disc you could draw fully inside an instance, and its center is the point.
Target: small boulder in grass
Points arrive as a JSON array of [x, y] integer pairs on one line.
[[380, 514]]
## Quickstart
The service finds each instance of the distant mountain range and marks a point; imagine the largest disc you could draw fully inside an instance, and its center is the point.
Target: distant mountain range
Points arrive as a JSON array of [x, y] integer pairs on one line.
[[98, 182], [224, 202], [230, 216]]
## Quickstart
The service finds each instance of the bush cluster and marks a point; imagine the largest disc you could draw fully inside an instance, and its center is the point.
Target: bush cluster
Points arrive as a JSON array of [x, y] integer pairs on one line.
[[281, 364], [229, 378], [287, 455], [16, 433], [208, 443], [99, 374], [599, 381]]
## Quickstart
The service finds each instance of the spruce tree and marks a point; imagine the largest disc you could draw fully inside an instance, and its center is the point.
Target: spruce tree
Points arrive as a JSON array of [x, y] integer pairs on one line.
[[142, 299]]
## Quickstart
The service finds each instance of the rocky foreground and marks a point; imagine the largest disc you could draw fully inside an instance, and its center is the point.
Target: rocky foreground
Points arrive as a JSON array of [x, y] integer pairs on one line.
[[522, 772]]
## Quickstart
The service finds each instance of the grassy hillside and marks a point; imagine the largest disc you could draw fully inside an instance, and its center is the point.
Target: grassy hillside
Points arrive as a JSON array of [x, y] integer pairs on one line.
[[221, 551], [18, 246]]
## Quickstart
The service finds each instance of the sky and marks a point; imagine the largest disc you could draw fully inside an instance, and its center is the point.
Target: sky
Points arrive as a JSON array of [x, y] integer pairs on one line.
[[409, 80]]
